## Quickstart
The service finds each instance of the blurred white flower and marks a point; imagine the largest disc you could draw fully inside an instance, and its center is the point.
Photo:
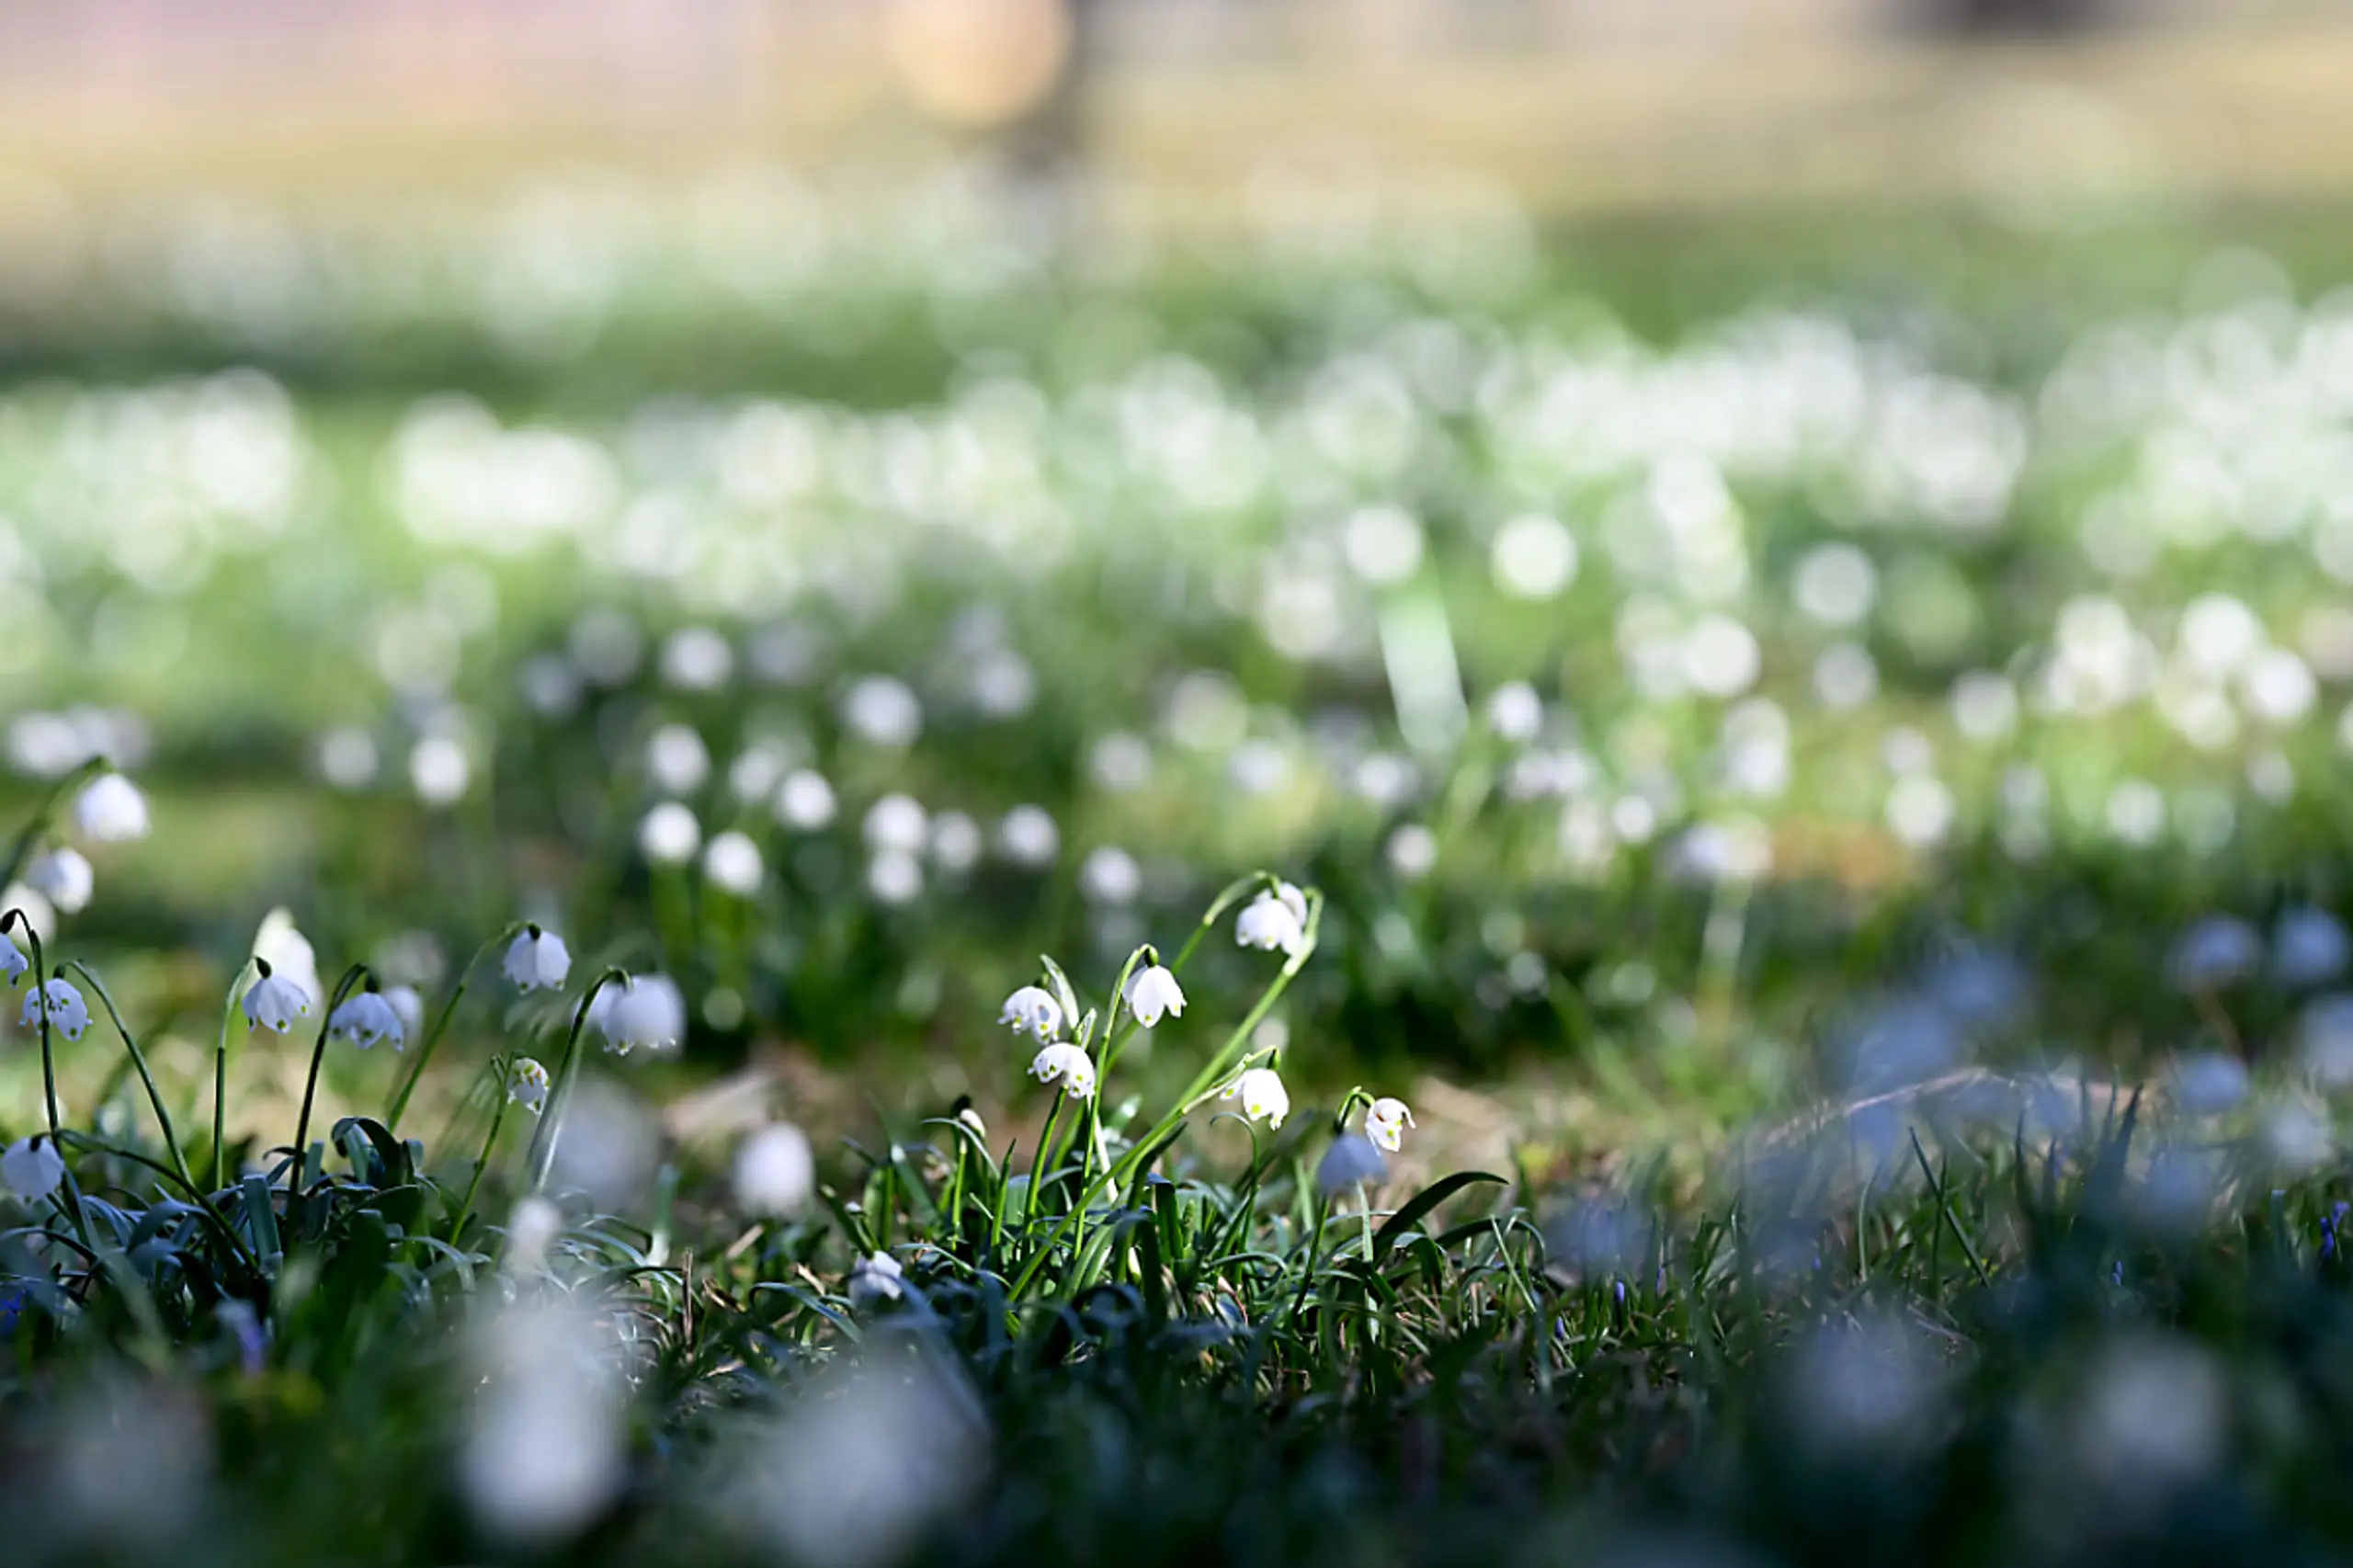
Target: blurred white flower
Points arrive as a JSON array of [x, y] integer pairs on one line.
[[2215, 951], [875, 1278], [676, 759], [882, 712], [531, 1228], [287, 951], [526, 1085], [894, 877], [1153, 992], [696, 658], [645, 1009], [409, 1006], [13, 962], [64, 877], [1032, 1010], [1835, 586], [1351, 1160], [439, 771], [546, 1449], [1533, 557], [1274, 920], [363, 1019], [733, 863], [1412, 851], [1383, 544], [1029, 838], [347, 758], [62, 1004], [1068, 1065], [2309, 947], [896, 822], [669, 835], [1109, 875], [1515, 712], [272, 1001], [954, 841], [776, 1171], [804, 800], [32, 1167], [1262, 1095], [1385, 1120], [537, 959], [110, 810]]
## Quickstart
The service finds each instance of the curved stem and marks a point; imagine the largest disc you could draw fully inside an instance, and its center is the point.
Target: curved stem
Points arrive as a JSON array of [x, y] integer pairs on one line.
[[221, 1074], [40, 1005], [22, 845], [500, 1101], [551, 1126], [146, 1076], [351, 977], [440, 1025]]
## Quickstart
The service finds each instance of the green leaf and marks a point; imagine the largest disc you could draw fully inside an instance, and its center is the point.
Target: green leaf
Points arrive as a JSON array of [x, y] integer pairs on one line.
[[1423, 1204]]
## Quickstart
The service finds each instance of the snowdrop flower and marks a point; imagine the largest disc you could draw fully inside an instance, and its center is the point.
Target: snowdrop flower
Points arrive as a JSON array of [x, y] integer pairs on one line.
[[775, 1171], [32, 1167], [66, 1012], [897, 821], [1351, 1160], [526, 1085], [272, 1001], [287, 951], [645, 1010], [110, 810], [1066, 1066], [669, 835], [13, 962], [365, 1018], [1272, 920], [2217, 950], [536, 957], [408, 1006], [1152, 993], [439, 771], [804, 800], [1262, 1095], [733, 863], [676, 759], [1032, 1010], [64, 877], [1385, 1121], [875, 1278]]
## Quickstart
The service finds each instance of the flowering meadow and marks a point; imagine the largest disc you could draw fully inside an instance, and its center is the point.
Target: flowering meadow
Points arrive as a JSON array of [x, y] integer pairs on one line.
[[760, 873]]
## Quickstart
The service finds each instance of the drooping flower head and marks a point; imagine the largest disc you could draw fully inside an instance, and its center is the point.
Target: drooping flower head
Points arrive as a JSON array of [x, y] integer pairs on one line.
[[1351, 1160], [1262, 1095], [1154, 993], [526, 1085], [536, 957], [1385, 1121], [32, 1167], [366, 1018], [64, 877], [60, 1004], [13, 962], [776, 1171], [875, 1278], [1032, 1010], [110, 810], [408, 1006], [669, 835], [272, 1001], [1068, 1065], [645, 1009], [1275, 920]]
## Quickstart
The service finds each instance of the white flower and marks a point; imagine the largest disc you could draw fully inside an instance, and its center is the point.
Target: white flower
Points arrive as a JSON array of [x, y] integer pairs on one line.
[[1262, 1095], [1385, 1121], [669, 835], [32, 1167], [536, 957], [526, 1085], [64, 877], [287, 951], [532, 1230], [1351, 1160], [272, 1001], [1153, 992], [645, 1009], [12, 963], [804, 800], [1032, 1011], [875, 1278], [775, 1171], [366, 1018], [733, 863], [1066, 1066], [409, 1006], [1274, 920], [67, 1013], [897, 821], [676, 759], [110, 810], [439, 771]]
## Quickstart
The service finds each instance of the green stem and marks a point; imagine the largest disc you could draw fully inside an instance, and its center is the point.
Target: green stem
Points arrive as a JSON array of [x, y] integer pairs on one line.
[[146, 1075], [440, 1025], [221, 1076], [40, 1005], [35, 825], [351, 977], [498, 1120], [543, 1143]]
